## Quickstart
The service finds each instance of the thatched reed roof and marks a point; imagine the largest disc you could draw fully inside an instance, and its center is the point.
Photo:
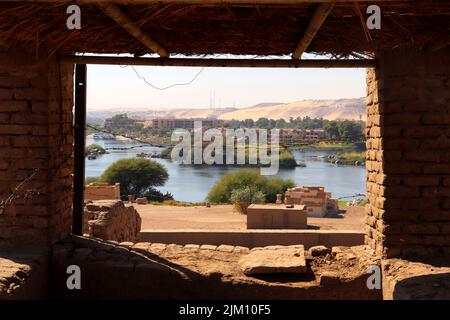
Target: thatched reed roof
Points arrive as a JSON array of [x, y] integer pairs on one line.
[[233, 28]]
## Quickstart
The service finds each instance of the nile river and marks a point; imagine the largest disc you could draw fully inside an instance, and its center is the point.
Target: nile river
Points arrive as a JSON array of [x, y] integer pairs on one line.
[[192, 183]]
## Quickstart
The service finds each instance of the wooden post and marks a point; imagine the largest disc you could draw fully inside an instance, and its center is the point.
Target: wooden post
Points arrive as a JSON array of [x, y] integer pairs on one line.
[[230, 63], [80, 141], [318, 18], [128, 24]]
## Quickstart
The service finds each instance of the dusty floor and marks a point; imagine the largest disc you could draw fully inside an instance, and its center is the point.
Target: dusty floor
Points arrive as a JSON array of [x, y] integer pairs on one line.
[[171, 271], [223, 217]]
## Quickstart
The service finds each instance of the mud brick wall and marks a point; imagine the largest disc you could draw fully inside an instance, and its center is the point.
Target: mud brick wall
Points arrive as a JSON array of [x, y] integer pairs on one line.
[[35, 134], [408, 154], [101, 191]]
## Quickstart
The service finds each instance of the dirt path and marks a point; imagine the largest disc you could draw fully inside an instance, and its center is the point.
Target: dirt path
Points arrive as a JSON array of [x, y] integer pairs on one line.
[[223, 217]]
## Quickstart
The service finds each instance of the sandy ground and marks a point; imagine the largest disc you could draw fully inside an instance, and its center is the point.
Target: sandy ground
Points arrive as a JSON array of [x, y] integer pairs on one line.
[[223, 217]]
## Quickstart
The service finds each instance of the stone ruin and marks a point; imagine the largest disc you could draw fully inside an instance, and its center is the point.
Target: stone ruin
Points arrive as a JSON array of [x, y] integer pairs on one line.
[[318, 202], [111, 220], [276, 216], [101, 191]]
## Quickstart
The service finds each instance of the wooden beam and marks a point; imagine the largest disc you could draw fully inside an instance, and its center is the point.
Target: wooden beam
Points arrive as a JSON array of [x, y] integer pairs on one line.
[[79, 152], [208, 2], [114, 12], [231, 63], [320, 14]]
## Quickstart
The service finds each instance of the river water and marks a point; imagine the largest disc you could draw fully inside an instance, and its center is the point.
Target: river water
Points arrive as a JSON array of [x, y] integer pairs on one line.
[[192, 183]]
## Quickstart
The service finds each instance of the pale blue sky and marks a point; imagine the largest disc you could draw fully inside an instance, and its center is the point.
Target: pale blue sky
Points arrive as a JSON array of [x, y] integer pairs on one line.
[[120, 87]]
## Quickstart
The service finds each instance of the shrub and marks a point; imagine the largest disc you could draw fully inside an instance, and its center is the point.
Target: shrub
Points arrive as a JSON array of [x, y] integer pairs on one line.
[[94, 148], [221, 191], [136, 176], [243, 198], [155, 195], [287, 160]]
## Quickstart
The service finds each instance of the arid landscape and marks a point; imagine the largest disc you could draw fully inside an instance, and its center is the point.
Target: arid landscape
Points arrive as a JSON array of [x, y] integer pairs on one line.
[[224, 217], [342, 109]]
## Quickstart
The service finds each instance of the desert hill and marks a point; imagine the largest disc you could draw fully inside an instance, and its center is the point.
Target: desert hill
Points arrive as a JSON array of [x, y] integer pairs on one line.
[[342, 109]]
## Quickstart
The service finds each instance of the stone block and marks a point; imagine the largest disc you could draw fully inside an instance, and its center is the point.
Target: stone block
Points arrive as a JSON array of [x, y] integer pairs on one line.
[[281, 260]]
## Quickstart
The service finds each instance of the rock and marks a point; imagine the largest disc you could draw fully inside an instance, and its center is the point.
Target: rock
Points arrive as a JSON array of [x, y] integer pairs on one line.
[[208, 247], [288, 259], [112, 220], [141, 200], [225, 248], [337, 250], [319, 251], [192, 246]]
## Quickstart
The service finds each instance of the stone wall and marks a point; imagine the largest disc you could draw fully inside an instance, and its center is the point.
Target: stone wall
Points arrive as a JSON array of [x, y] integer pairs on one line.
[[101, 191], [35, 146], [408, 154], [111, 220]]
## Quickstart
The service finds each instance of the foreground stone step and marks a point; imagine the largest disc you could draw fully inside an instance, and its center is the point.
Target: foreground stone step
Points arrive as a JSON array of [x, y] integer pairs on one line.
[[275, 259]]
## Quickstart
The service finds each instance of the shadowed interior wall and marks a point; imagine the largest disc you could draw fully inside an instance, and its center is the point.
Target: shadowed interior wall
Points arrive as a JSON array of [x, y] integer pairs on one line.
[[36, 142], [408, 154]]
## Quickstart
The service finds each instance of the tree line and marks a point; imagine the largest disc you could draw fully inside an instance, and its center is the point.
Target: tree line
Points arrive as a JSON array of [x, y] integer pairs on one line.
[[344, 130]]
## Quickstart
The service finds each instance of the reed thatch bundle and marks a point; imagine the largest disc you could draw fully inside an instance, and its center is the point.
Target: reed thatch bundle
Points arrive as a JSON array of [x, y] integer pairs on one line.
[[242, 29]]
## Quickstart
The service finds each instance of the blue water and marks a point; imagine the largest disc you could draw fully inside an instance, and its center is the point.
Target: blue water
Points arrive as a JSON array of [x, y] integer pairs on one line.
[[192, 183]]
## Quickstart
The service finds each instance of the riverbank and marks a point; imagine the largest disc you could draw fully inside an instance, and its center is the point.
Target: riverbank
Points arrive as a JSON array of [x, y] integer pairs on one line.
[[330, 146], [356, 158]]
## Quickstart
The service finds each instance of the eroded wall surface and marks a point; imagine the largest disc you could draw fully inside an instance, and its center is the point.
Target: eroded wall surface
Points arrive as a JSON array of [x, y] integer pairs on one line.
[[408, 154], [36, 143]]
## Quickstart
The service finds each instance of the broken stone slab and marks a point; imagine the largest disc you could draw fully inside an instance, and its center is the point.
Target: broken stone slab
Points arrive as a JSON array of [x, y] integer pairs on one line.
[[282, 259], [318, 251]]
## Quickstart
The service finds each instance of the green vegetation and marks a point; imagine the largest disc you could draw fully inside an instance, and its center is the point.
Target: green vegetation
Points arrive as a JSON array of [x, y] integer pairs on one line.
[[223, 189], [341, 130], [178, 203], [327, 146], [121, 124], [286, 158], [244, 197], [94, 148], [136, 176], [351, 156], [343, 203]]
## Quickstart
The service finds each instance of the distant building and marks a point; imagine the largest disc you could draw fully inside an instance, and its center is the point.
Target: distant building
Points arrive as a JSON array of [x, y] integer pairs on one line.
[[183, 123], [293, 136]]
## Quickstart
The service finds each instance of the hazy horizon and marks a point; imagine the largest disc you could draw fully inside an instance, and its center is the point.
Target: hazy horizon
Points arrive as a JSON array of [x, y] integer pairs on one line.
[[116, 87]]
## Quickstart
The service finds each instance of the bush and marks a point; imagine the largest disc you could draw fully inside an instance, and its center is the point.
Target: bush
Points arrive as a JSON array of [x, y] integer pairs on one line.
[[137, 176], [158, 196], [94, 148], [243, 198], [222, 190], [287, 160]]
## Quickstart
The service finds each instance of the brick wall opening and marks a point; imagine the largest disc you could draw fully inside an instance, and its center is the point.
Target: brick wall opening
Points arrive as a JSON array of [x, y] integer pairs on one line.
[[408, 180]]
